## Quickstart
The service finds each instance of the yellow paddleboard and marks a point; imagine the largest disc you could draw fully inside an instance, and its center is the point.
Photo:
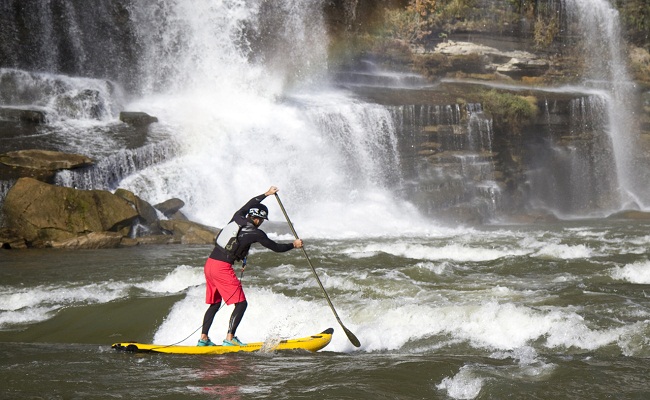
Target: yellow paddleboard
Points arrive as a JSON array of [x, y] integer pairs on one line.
[[310, 343]]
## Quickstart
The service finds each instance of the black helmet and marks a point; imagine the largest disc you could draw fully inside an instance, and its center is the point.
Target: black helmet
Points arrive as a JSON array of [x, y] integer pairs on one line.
[[259, 211]]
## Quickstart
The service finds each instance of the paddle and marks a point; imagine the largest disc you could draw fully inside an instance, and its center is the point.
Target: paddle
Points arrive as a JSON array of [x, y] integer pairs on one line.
[[353, 339]]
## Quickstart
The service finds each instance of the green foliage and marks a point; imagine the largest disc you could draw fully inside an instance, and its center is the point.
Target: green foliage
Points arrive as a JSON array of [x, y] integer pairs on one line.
[[434, 66], [456, 9], [509, 112], [421, 17], [546, 29], [636, 17], [403, 24]]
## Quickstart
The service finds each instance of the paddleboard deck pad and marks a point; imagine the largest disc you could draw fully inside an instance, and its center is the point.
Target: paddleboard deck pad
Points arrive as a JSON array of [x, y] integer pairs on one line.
[[310, 343]]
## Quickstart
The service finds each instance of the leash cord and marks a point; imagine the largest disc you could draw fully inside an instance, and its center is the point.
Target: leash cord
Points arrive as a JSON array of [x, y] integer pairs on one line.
[[241, 277]]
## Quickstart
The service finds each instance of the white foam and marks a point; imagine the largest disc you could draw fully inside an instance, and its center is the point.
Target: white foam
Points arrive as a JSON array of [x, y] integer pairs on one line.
[[638, 272], [25, 316], [25, 306], [454, 251], [464, 385], [564, 251], [176, 281], [487, 325], [436, 268], [269, 315], [18, 306]]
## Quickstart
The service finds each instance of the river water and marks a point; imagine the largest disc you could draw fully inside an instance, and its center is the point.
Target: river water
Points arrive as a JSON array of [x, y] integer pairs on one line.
[[551, 311], [244, 99]]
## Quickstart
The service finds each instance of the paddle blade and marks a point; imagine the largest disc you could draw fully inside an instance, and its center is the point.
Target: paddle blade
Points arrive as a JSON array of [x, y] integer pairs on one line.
[[353, 339]]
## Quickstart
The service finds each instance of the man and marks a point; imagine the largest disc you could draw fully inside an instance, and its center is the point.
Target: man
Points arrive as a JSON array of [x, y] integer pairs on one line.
[[222, 282]]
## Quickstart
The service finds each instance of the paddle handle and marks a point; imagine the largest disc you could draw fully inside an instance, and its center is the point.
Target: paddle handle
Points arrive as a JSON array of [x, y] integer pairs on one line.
[[353, 339]]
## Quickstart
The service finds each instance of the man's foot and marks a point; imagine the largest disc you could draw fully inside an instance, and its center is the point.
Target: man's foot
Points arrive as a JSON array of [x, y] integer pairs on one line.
[[233, 342], [205, 342]]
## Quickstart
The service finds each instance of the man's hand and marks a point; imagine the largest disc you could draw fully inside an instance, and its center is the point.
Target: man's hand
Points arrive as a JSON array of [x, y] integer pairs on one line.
[[297, 243], [272, 190]]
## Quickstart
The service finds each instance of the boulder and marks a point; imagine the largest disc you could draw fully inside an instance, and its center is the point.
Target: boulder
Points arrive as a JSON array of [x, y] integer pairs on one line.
[[512, 63], [137, 118], [92, 240], [179, 216], [145, 240], [146, 212], [631, 215], [44, 159], [42, 213], [170, 207], [9, 239], [85, 104], [23, 115], [187, 232]]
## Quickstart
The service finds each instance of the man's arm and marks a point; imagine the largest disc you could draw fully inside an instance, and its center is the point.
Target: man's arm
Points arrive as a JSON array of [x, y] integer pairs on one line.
[[272, 245], [240, 215]]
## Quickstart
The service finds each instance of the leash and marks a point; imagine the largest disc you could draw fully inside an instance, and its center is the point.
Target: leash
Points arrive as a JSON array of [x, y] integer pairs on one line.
[[223, 303]]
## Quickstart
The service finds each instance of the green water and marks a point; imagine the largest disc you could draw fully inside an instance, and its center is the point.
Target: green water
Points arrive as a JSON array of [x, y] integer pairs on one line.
[[551, 312]]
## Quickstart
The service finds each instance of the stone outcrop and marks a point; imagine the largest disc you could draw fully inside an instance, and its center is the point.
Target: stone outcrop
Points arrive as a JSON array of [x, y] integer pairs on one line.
[[188, 232], [92, 240], [43, 213], [9, 239], [23, 115], [170, 207], [511, 63], [37, 214], [44, 159], [147, 214], [137, 118], [39, 164]]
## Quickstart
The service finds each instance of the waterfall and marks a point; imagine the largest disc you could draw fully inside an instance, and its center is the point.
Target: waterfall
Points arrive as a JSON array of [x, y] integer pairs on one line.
[[61, 97], [243, 86], [241, 92], [597, 25], [571, 172], [246, 98]]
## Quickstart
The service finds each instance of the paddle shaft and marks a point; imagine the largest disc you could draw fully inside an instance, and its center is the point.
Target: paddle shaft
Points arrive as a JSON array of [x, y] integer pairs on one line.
[[353, 339]]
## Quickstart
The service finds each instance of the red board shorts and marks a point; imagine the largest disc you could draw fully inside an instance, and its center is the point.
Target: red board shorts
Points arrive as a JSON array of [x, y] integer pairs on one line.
[[221, 283]]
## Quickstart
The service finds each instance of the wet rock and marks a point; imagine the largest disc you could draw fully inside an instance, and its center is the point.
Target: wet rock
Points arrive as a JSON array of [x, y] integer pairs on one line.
[[187, 232], [137, 118], [42, 213], [512, 63], [86, 104], [170, 207], [146, 212], [631, 214], [23, 115], [523, 67], [178, 216], [45, 160], [92, 240], [9, 239], [145, 240]]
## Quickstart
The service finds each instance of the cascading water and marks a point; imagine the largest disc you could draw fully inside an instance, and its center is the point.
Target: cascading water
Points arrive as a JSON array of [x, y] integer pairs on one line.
[[581, 181], [450, 160], [251, 109], [597, 26], [241, 93], [241, 90]]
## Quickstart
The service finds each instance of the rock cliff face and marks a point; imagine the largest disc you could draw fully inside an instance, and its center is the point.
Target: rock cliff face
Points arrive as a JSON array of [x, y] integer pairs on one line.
[[500, 106], [511, 123], [38, 214]]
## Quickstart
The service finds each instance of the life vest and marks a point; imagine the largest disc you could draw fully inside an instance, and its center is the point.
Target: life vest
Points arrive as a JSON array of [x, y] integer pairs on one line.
[[227, 239]]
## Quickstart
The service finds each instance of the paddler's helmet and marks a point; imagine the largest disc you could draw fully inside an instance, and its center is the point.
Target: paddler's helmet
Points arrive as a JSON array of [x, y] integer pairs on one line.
[[259, 211]]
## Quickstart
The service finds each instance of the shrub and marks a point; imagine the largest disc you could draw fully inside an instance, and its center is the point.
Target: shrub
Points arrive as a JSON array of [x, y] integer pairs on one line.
[[509, 112]]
